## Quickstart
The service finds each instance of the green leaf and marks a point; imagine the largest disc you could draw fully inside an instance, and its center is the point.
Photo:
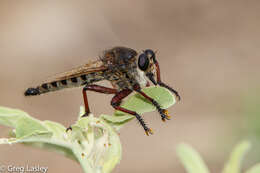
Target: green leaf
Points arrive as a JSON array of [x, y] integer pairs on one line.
[[27, 125], [191, 159], [9, 117], [56, 129], [254, 169], [141, 105], [117, 121], [95, 144], [234, 163], [92, 142]]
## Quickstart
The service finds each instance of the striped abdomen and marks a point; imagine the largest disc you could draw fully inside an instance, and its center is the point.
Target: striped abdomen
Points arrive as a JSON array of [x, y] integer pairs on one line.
[[65, 83]]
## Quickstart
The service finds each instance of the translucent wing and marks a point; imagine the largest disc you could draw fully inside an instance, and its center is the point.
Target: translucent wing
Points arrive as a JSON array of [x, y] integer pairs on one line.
[[92, 66]]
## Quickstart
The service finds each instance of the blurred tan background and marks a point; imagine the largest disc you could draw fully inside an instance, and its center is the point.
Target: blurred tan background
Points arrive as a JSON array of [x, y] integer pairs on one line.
[[208, 50]]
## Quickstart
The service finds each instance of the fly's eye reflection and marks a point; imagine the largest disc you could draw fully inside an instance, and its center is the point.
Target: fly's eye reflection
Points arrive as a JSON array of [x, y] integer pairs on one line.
[[143, 62]]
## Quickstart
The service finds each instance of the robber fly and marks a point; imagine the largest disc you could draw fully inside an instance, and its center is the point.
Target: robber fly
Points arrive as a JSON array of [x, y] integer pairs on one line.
[[118, 65]]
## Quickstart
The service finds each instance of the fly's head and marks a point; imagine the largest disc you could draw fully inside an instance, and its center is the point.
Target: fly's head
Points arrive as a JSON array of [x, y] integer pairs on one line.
[[146, 63]]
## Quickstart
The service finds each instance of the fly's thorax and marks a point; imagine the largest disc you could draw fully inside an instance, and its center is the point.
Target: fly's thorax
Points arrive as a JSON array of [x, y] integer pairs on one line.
[[127, 78], [118, 57]]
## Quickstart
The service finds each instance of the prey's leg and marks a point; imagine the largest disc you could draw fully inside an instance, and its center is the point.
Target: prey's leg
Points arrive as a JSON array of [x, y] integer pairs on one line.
[[163, 112], [115, 102]]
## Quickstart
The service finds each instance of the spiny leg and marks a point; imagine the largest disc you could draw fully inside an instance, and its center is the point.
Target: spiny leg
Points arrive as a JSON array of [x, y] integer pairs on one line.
[[164, 113], [163, 84], [159, 82], [116, 100], [95, 88], [171, 89]]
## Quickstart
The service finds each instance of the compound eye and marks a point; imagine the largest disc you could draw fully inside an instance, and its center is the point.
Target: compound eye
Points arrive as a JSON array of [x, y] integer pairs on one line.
[[143, 62], [150, 53]]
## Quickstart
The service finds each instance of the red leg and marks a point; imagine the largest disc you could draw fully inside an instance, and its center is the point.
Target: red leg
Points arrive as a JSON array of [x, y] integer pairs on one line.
[[95, 88], [158, 73], [116, 100]]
